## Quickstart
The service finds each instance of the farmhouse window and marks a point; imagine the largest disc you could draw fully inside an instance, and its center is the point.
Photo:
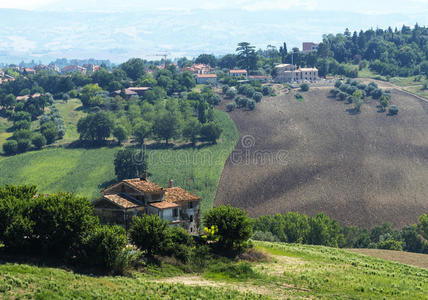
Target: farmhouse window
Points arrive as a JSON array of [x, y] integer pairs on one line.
[[191, 218], [190, 204], [175, 213]]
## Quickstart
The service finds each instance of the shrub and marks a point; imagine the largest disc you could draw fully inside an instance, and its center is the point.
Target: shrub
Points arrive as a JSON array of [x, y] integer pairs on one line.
[[150, 233], [104, 244], [24, 145], [425, 86], [337, 84], [10, 147], [304, 87], [65, 97], [224, 89], [23, 134], [265, 236], [257, 96], [211, 132], [251, 104], [390, 245], [342, 96], [181, 243], [230, 106], [393, 110], [357, 104], [231, 93], [21, 125], [298, 96], [38, 141], [334, 92], [234, 228], [267, 90]]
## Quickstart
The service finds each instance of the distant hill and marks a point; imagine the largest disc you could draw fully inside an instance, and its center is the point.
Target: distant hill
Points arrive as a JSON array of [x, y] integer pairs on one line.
[[47, 35]]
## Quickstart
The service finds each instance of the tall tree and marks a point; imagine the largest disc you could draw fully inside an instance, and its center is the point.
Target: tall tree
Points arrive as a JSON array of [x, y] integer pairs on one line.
[[247, 57]]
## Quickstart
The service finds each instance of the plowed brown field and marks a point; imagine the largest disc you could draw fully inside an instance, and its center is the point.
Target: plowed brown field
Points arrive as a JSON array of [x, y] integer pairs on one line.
[[317, 156]]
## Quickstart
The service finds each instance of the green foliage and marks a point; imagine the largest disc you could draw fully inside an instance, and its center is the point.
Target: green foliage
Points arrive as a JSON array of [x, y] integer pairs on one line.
[[390, 245], [149, 233], [142, 130], [393, 110], [257, 96], [234, 228], [423, 226], [10, 147], [120, 133], [191, 130], [103, 245], [167, 124], [230, 106], [211, 132], [304, 87], [267, 90], [299, 97], [357, 104], [89, 93], [129, 164], [24, 145], [266, 236], [134, 68], [38, 141], [236, 272], [251, 104], [95, 127]]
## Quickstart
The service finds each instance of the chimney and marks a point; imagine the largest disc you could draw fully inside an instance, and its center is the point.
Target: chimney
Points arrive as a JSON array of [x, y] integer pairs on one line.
[[143, 176], [170, 183]]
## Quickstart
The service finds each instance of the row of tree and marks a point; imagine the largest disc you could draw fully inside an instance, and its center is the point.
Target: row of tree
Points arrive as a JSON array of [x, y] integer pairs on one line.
[[293, 227]]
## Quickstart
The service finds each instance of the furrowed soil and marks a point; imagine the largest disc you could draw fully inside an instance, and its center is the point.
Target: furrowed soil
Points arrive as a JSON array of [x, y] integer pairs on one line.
[[317, 155]]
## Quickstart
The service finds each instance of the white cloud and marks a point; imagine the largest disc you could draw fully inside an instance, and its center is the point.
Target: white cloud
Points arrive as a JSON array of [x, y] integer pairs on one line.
[[25, 4]]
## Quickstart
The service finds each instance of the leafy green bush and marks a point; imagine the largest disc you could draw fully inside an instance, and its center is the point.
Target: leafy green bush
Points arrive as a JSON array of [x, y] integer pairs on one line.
[[104, 244], [393, 110], [230, 106], [234, 228], [251, 104], [38, 141], [390, 245], [231, 93], [298, 97], [304, 87], [149, 233], [267, 90], [10, 147], [266, 236], [211, 132], [257, 96], [24, 145]]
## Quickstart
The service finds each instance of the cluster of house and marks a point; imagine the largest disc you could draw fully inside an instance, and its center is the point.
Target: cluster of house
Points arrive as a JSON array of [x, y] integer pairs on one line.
[[82, 69], [122, 201], [211, 78], [5, 77]]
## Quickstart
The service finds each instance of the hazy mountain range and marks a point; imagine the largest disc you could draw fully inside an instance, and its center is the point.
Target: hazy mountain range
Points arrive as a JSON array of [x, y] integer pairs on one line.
[[47, 35]]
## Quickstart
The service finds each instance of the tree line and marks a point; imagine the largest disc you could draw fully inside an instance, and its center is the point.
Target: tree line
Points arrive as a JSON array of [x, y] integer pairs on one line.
[[293, 227]]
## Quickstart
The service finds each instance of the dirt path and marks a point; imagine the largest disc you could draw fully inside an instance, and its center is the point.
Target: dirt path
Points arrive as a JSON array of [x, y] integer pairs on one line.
[[408, 258]]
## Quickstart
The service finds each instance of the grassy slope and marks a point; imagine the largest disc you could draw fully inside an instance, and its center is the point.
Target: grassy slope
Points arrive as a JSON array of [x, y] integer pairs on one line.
[[4, 135], [85, 172], [71, 115], [295, 271]]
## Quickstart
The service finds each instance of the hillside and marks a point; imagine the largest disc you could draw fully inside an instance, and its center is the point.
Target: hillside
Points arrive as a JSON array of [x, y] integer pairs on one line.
[[361, 169], [297, 271], [87, 171]]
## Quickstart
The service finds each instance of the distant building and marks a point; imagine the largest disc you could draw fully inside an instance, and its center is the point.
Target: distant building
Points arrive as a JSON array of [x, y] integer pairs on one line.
[[29, 71], [139, 196], [91, 67], [54, 67], [73, 69], [237, 73], [132, 91], [206, 79], [198, 69], [261, 78], [291, 73], [309, 47]]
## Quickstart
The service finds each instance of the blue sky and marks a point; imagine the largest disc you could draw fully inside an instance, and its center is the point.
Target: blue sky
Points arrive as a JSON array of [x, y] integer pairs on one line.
[[362, 6]]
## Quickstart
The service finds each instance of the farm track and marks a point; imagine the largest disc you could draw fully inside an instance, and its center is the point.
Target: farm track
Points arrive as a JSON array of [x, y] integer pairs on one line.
[[317, 156]]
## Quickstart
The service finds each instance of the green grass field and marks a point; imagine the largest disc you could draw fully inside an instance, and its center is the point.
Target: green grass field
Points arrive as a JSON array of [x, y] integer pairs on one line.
[[87, 171], [71, 114], [291, 272], [4, 135]]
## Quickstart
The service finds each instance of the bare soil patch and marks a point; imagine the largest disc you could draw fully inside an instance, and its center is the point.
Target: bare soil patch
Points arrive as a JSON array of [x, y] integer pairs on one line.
[[318, 156], [408, 258]]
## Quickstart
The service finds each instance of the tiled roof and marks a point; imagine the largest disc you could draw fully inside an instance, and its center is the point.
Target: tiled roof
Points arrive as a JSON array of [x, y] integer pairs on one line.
[[163, 205], [177, 194], [144, 185], [238, 71], [206, 76], [121, 201]]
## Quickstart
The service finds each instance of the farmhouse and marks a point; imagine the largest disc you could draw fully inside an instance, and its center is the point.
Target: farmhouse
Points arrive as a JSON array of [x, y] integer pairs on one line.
[[290, 73], [237, 73], [136, 197], [261, 78], [206, 78]]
